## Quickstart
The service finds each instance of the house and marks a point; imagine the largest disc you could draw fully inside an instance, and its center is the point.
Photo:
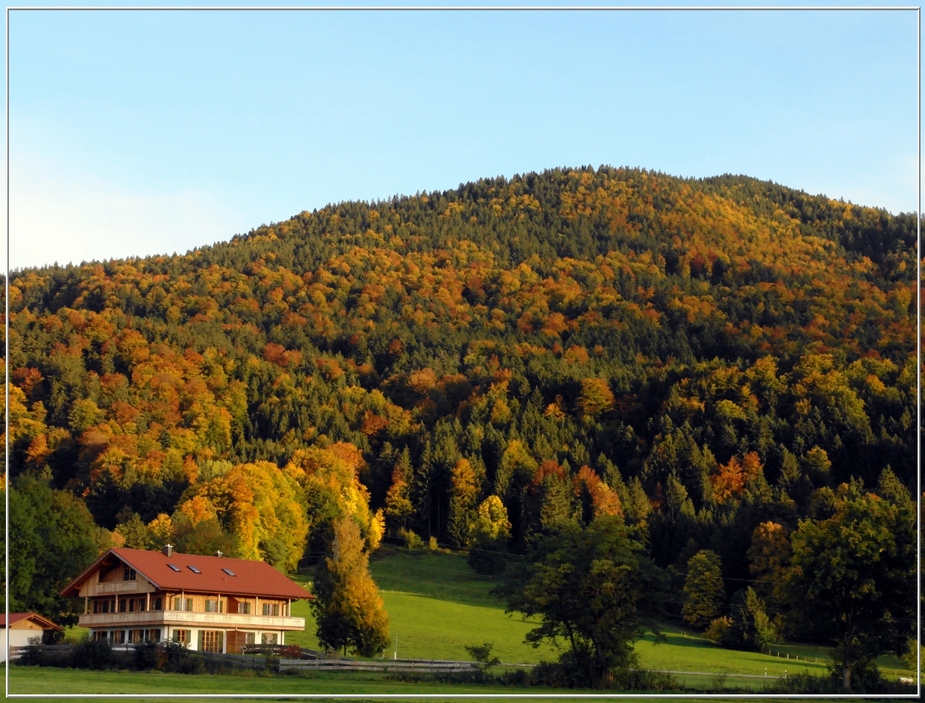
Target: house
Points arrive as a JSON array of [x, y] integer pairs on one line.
[[20, 628], [211, 604]]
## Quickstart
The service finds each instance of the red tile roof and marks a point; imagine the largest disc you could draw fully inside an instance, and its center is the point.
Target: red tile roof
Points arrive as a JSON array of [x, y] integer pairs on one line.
[[39, 620], [251, 578]]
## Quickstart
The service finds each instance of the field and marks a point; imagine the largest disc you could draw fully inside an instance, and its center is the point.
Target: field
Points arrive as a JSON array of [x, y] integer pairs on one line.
[[437, 606]]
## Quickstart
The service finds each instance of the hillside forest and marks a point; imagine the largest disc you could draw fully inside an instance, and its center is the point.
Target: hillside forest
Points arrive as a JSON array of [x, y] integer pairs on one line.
[[720, 366]]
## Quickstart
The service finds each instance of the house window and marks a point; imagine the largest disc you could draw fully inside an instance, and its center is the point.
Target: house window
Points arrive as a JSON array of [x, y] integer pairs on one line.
[[211, 640], [136, 636], [123, 605], [128, 575], [181, 636], [244, 608], [156, 603], [182, 603], [271, 608], [99, 635], [153, 635], [269, 638], [104, 606], [118, 636], [214, 606], [250, 637]]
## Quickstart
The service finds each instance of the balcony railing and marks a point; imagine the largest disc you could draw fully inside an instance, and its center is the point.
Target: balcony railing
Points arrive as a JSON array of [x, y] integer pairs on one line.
[[118, 587], [228, 621]]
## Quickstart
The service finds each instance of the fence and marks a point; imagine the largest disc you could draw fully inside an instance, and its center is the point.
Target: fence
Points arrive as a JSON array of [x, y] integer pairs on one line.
[[16, 652], [403, 666]]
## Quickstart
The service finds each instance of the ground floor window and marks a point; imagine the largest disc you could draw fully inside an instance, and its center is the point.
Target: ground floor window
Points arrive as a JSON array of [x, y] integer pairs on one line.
[[118, 636], [136, 636], [99, 635], [211, 640], [270, 638], [250, 638], [153, 635], [182, 636]]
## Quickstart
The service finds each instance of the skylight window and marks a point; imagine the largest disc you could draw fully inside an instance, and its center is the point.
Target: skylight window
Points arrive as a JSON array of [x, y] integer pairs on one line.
[[228, 571], [174, 567], [193, 569]]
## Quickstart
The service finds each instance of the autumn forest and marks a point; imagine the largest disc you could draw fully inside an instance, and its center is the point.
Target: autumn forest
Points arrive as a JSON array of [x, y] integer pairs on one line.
[[718, 365]]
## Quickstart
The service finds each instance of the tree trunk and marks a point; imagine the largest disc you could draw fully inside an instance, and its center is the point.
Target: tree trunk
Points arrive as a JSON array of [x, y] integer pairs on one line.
[[846, 678]]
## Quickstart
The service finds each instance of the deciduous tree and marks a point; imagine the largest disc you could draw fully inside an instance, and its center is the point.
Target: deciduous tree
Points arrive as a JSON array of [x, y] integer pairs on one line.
[[703, 588], [852, 576], [592, 588], [347, 605]]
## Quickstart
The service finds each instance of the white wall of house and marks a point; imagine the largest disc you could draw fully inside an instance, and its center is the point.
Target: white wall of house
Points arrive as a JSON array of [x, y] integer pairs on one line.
[[17, 638]]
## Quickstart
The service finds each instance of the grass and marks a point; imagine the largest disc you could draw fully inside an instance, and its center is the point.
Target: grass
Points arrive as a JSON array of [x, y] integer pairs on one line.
[[100, 684], [437, 606]]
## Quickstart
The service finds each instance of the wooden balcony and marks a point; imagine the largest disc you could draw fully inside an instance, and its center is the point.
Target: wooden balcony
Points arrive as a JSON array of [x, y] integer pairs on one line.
[[179, 618], [116, 588]]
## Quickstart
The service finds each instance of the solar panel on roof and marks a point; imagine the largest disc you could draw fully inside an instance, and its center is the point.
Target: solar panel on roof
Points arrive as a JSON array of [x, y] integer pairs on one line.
[[174, 567], [228, 571], [193, 569]]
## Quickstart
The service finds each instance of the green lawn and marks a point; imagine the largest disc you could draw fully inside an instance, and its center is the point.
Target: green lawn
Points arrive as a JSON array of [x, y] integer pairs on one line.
[[33, 680], [70, 681], [437, 606]]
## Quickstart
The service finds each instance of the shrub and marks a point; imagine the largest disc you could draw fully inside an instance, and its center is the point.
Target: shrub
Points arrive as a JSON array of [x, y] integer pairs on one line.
[[481, 653], [93, 654], [412, 541], [146, 656], [33, 654], [719, 629]]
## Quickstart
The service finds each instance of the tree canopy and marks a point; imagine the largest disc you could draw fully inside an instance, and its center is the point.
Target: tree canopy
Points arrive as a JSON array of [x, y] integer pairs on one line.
[[592, 589], [852, 574]]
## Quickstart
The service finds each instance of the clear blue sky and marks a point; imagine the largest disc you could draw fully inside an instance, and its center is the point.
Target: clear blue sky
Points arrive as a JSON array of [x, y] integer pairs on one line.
[[135, 133]]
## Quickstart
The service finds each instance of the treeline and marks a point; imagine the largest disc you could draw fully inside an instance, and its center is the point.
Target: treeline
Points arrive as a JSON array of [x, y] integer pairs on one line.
[[475, 366]]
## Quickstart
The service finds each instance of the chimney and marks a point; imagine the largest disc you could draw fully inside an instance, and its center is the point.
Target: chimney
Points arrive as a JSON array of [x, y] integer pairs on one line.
[[168, 550], [219, 554]]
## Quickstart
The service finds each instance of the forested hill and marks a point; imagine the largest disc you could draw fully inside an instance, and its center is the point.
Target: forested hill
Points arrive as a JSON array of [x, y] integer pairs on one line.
[[701, 356]]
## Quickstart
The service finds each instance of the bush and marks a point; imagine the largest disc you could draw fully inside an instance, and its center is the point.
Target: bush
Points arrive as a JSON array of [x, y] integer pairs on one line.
[[33, 654], [412, 541], [481, 653], [864, 680], [93, 654], [719, 629], [146, 656]]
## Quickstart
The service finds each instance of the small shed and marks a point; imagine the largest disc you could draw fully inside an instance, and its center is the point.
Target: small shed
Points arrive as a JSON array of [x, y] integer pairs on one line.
[[20, 628]]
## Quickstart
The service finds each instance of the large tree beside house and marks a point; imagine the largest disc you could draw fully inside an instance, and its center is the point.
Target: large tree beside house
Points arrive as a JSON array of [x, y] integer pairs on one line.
[[347, 607], [52, 538]]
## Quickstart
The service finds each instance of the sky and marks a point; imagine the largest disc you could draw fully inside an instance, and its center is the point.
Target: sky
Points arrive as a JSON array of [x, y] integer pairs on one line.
[[134, 133]]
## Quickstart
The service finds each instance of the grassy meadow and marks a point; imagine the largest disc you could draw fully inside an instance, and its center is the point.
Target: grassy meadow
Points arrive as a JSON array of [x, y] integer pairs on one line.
[[437, 606]]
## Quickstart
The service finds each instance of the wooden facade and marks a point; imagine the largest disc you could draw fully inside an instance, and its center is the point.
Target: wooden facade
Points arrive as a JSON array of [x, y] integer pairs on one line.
[[207, 603]]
